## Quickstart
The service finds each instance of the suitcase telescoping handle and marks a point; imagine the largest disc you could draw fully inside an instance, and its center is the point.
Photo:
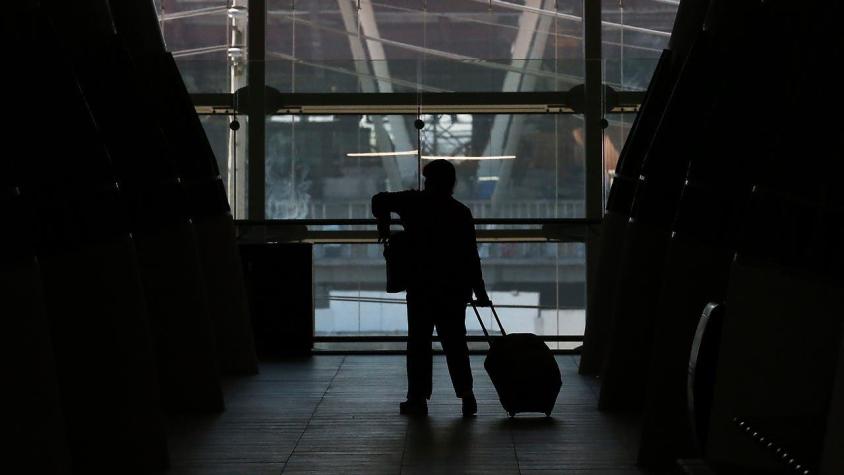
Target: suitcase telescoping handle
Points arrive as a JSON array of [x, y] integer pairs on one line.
[[483, 327]]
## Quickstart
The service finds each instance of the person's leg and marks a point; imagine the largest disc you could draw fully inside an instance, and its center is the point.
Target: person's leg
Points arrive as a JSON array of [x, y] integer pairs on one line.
[[420, 326], [451, 328]]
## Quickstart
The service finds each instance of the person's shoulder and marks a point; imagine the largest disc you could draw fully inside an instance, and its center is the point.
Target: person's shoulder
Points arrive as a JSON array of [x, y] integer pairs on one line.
[[403, 192], [461, 208], [406, 194], [411, 196]]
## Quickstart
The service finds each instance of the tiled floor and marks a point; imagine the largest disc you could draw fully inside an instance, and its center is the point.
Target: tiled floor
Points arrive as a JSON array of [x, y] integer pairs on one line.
[[339, 414]]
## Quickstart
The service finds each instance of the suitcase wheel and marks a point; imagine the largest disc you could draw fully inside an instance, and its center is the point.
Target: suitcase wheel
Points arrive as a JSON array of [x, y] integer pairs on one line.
[[512, 414], [548, 414]]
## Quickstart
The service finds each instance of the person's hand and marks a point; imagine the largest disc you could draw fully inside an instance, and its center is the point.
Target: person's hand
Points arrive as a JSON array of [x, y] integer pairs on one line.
[[383, 231], [482, 299]]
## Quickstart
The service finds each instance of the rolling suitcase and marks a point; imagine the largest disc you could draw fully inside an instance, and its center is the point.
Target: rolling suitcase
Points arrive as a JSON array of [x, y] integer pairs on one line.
[[522, 369]]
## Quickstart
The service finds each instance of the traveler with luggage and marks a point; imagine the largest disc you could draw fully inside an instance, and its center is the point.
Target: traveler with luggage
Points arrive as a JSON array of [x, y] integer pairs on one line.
[[439, 266]]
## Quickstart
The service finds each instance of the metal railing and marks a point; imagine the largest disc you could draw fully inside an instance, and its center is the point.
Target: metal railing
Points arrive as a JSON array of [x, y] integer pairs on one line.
[[481, 209], [349, 259]]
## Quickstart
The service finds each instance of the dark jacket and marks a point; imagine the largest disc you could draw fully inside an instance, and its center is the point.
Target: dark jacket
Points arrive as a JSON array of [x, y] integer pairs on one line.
[[442, 237]]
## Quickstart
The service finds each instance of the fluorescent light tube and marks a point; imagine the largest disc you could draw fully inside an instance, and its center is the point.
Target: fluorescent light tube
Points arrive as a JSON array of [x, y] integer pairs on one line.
[[381, 154]]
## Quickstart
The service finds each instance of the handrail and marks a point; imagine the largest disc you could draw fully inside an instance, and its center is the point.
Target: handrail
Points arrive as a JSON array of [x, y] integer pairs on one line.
[[401, 339], [778, 451], [404, 302], [373, 222]]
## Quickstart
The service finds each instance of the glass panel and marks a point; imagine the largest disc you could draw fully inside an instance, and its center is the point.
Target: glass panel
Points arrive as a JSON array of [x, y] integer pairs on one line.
[[208, 42], [230, 150], [182, 6], [614, 137], [537, 288], [634, 34], [508, 166], [410, 45]]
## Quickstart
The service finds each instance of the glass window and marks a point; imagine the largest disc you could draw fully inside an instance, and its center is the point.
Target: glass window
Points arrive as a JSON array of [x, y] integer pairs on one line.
[[207, 40], [634, 34], [537, 287], [410, 45], [529, 166], [614, 137], [183, 6], [508, 166], [230, 150], [227, 146]]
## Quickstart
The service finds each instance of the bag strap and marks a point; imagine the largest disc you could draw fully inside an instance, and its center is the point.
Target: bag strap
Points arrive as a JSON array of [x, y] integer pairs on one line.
[[480, 320]]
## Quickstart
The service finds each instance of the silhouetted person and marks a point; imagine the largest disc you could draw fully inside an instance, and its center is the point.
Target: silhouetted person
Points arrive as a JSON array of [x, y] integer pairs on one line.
[[445, 270]]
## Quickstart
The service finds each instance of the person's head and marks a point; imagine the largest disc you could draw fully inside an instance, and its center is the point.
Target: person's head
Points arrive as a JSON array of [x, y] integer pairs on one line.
[[440, 177]]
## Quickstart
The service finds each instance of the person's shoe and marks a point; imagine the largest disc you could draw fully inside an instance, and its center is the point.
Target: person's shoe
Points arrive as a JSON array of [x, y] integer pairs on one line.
[[470, 406], [413, 407]]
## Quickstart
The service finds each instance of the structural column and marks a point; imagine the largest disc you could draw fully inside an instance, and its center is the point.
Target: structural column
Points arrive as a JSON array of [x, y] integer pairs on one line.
[[236, 176], [256, 109], [593, 118]]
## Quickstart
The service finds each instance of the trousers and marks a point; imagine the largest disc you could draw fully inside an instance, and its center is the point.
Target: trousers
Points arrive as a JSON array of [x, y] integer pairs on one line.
[[447, 312]]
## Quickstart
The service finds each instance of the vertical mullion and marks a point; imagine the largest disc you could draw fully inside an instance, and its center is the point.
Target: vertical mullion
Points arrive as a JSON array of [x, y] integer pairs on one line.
[[593, 110], [256, 114], [593, 115]]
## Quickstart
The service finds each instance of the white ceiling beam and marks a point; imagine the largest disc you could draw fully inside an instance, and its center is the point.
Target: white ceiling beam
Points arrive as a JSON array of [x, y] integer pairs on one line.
[[443, 54], [567, 16], [378, 61], [380, 76], [529, 44]]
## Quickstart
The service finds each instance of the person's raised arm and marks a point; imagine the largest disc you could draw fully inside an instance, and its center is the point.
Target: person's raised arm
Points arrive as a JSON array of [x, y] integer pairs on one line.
[[385, 203]]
